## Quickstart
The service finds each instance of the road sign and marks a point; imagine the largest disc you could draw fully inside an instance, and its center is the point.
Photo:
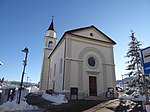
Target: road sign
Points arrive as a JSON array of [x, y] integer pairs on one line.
[[145, 54]]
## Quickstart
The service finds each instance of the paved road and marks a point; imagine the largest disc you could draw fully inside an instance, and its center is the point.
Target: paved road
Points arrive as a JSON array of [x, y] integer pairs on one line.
[[107, 106], [110, 107]]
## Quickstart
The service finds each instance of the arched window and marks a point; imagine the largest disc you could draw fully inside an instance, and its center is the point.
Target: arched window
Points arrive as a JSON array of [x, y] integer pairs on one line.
[[50, 44]]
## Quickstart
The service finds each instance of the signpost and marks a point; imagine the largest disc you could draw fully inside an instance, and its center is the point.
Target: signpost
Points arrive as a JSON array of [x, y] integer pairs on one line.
[[145, 56], [145, 53]]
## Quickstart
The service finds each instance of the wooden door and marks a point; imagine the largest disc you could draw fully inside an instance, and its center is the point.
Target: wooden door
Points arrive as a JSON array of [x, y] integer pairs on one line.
[[92, 86]]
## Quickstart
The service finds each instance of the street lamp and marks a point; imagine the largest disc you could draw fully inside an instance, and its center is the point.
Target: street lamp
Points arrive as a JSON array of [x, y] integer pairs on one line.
[[25, 50], [1, 63]]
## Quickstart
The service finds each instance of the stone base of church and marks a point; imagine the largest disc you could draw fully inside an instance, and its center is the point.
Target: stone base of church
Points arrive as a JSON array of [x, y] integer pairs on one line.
[[84, 96]]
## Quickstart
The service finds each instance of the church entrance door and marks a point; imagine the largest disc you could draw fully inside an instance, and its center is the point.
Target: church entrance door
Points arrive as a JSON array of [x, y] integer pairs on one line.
[[92, 86]]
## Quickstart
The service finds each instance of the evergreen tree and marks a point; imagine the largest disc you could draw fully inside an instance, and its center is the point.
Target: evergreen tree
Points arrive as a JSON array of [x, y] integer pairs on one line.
[[134, 64]]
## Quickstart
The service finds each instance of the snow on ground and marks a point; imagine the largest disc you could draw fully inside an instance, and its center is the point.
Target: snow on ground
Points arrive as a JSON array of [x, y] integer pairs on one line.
[[13, 106], [24, 93], [57, 99], [33, 89], [135, 97], [8, 87]]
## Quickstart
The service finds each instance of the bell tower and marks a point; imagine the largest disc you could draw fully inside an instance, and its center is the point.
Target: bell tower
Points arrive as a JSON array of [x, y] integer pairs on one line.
[[49, 44], [50, 37]]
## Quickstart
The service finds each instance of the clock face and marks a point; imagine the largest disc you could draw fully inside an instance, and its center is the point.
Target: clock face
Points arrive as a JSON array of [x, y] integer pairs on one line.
[[51, 33]]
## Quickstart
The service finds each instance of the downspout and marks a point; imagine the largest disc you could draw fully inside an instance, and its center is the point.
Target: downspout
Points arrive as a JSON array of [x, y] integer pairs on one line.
[[64, 67]]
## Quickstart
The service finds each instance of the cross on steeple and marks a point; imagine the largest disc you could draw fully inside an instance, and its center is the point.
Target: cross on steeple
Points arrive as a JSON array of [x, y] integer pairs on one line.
[[52, 18]]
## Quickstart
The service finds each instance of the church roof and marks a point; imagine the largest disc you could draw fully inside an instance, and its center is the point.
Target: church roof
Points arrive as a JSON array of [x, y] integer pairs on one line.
[[92, 26], [51, 27]]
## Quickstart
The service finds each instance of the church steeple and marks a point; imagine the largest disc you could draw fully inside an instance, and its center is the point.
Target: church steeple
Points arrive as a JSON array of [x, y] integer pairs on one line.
[[51, 27], [50, 38], [51, 30]]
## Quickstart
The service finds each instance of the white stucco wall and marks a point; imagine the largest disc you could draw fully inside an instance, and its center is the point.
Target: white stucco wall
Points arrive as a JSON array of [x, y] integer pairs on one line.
[[56, 60], [106, 50], [74, 72]]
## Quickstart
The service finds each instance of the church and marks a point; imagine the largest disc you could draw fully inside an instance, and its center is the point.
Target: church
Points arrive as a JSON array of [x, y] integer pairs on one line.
[[82, 61]]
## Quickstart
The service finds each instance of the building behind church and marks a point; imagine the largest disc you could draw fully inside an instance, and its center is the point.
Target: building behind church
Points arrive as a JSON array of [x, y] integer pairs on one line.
[[83, 60]]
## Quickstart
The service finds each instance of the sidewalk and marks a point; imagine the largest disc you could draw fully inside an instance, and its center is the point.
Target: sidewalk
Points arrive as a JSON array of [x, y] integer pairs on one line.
[[103, 107]]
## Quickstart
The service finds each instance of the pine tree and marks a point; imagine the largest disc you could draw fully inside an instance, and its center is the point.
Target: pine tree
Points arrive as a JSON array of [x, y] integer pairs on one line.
[[134, 63]]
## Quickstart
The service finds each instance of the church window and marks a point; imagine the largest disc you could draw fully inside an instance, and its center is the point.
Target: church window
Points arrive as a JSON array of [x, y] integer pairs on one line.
[[91, 61], [61, 65], [91, 34], [55, 70], [50, 44]]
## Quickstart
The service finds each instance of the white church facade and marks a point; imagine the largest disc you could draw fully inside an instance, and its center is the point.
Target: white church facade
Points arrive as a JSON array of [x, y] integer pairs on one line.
[[82, 59]]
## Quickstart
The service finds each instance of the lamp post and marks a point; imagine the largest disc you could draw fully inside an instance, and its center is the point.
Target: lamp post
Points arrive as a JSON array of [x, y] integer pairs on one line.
[[1, 63], [24, 63]]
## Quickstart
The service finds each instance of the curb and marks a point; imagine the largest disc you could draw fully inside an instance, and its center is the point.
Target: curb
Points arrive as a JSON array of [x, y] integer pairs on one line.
[[101, 105]]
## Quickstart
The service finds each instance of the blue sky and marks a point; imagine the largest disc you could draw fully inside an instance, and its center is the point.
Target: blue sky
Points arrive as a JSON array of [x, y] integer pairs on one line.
[[23, 23]]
